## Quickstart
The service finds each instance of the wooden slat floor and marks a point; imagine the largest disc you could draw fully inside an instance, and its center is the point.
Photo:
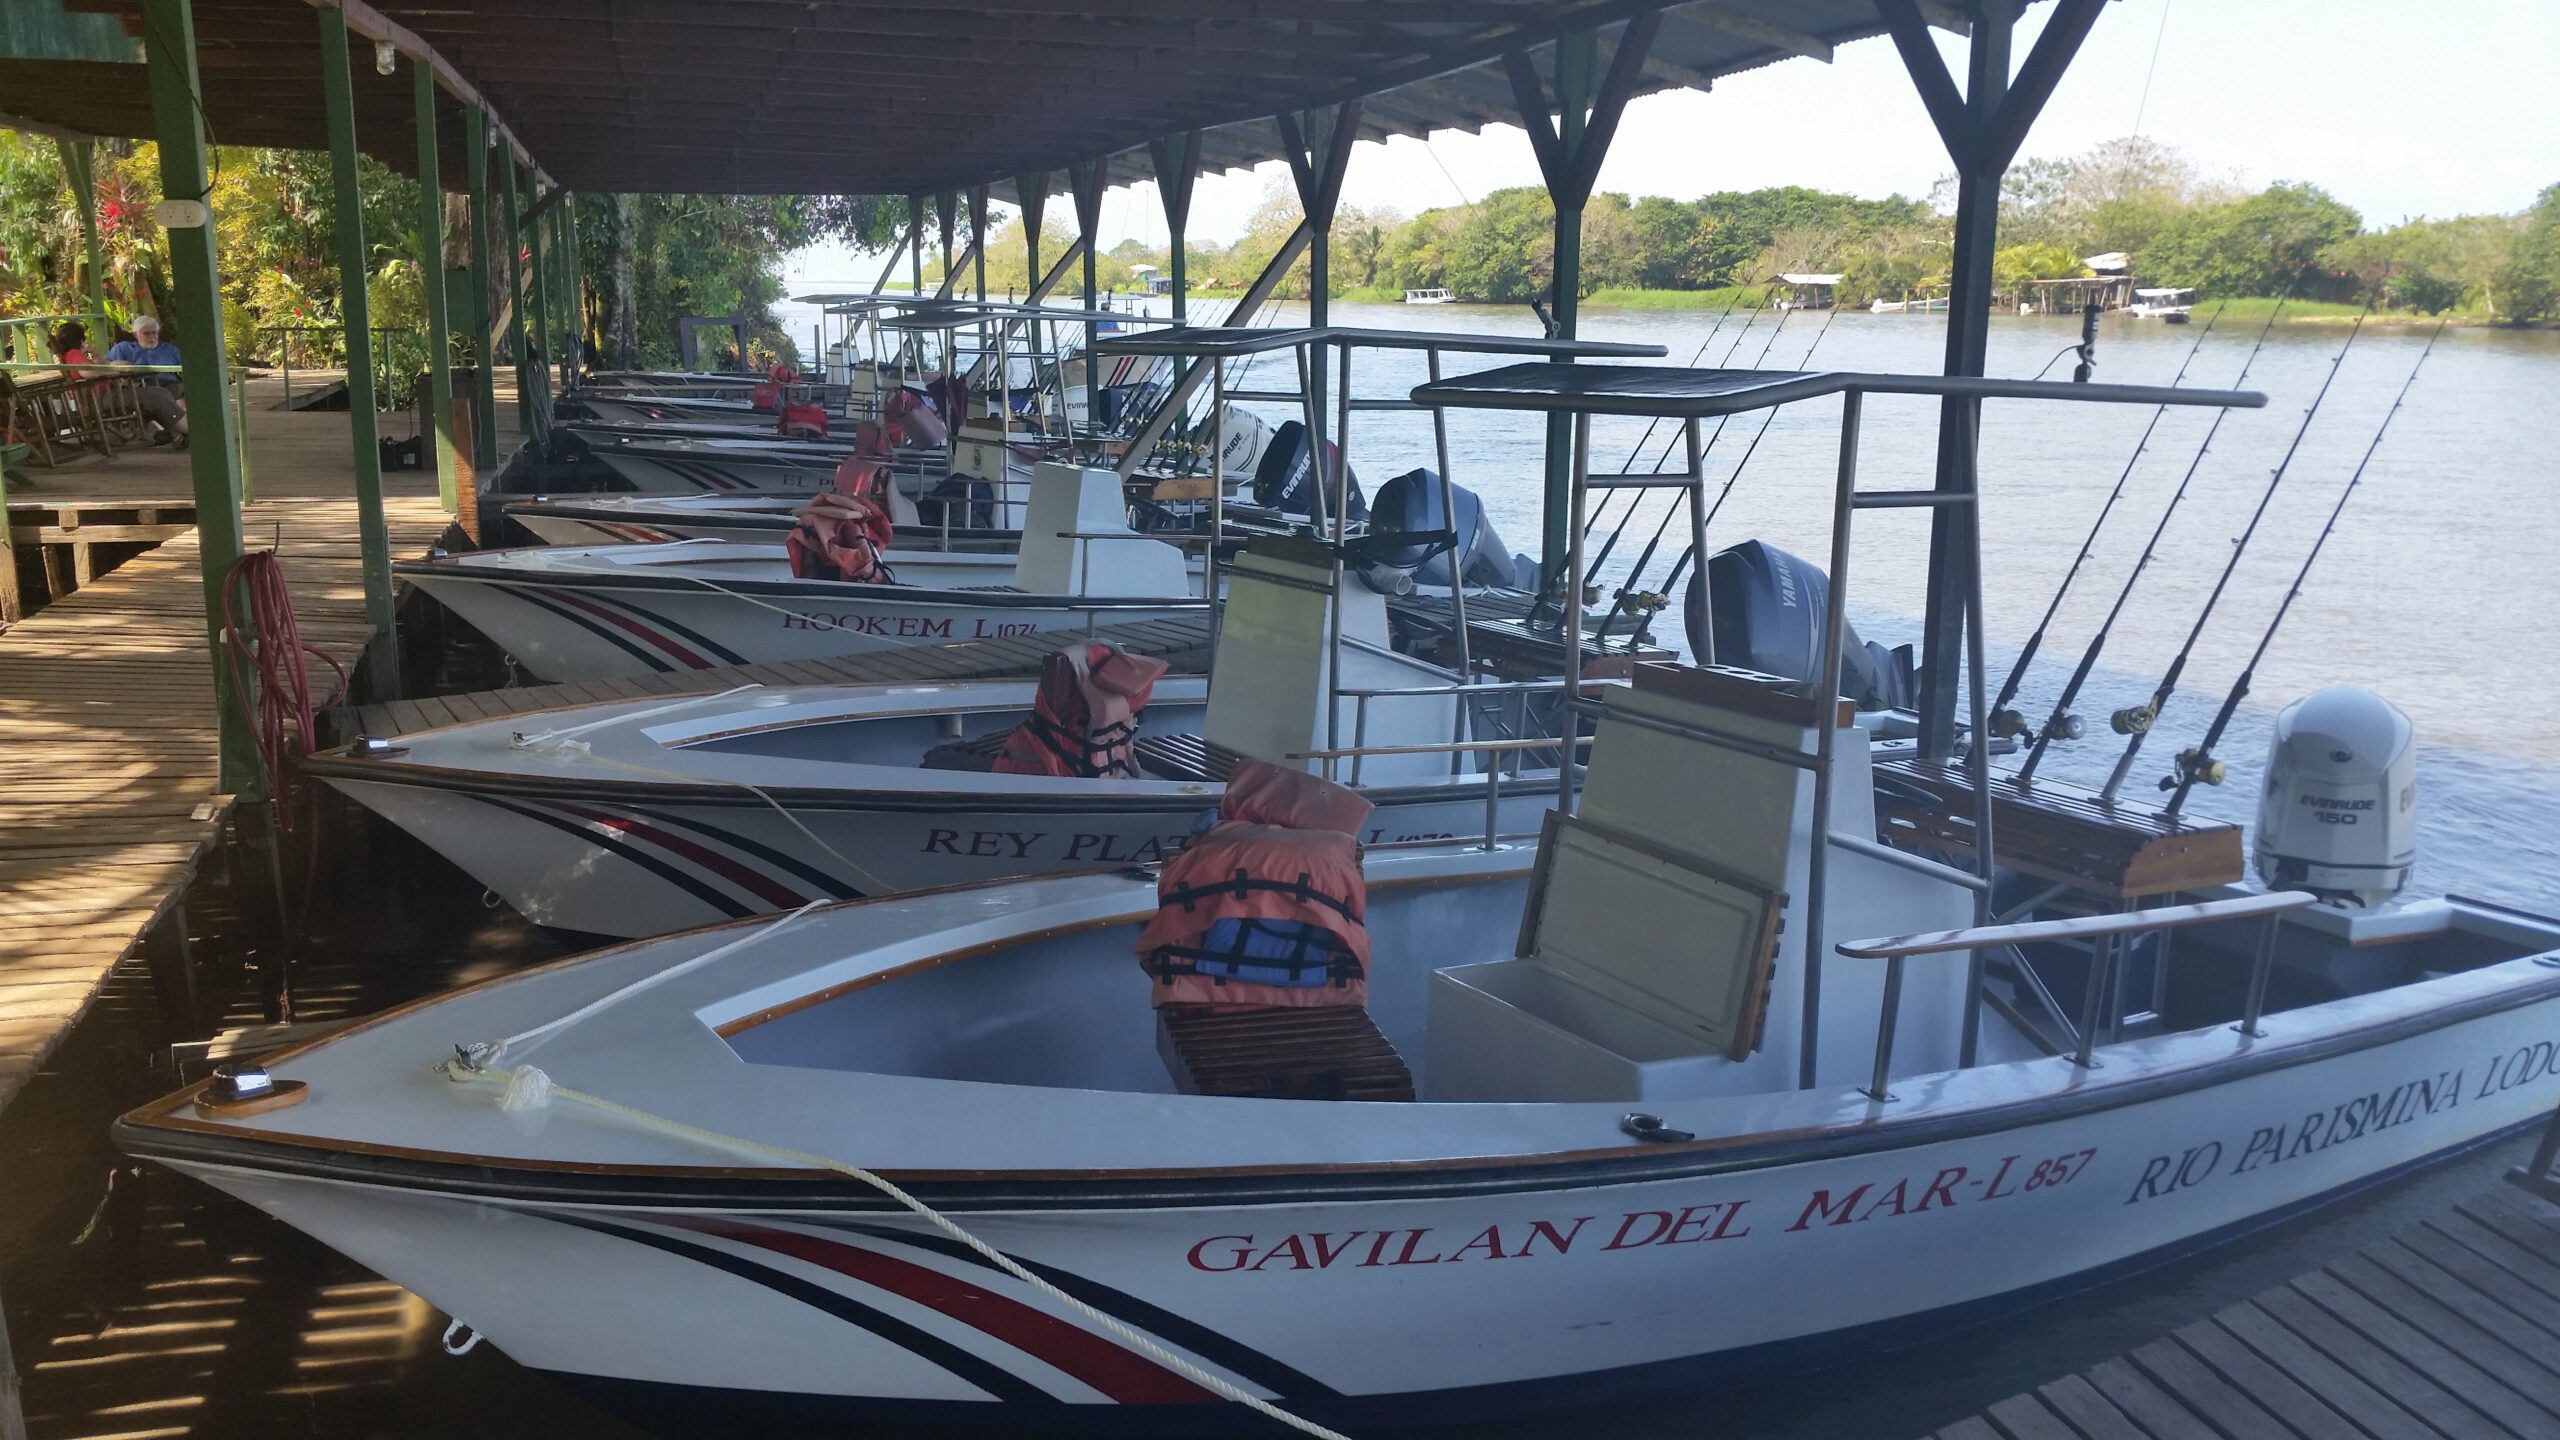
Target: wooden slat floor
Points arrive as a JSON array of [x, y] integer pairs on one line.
[[108, 786], [2449, 1330], [1182, 643]]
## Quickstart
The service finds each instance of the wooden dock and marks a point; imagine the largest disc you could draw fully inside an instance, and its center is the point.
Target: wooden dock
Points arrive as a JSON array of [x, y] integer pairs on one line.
[[2449, 1330], [109, 795], [1181, 642]]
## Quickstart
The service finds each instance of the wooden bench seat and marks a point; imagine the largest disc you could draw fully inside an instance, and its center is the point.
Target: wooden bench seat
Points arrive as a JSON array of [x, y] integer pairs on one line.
[[2055, 832], [1332, 1053]]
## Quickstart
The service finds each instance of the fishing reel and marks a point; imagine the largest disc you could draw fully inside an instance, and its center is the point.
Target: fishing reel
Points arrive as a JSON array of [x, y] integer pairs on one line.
[[2010, 725], [1642, 602], [2195, 767], [2064, 727], [2133, 720]]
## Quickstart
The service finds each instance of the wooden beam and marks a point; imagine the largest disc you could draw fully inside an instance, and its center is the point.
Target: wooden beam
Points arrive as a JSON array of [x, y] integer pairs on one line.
[[374, 25], [2037, 76], [1938, 93]]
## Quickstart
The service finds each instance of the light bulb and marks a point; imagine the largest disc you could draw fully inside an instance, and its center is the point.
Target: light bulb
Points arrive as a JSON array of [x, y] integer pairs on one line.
[[385, 59]]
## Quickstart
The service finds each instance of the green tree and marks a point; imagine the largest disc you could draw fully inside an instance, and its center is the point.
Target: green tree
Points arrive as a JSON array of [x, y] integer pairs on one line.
[[2266, 244], [2531, 277]]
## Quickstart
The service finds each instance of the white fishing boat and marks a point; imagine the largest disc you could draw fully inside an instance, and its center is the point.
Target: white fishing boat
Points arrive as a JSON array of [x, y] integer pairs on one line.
[[1607, 1177], [745, 517], [1639, 1116], [586, 613], [2175, 304], [641, 817], [1429, 295], [671, 463]]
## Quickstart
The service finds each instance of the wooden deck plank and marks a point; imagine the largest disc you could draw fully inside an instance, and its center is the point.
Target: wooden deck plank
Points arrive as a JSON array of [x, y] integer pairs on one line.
[[108, 786], [2146, 1404], [2439, 1363], [2090, 1413], [2374, 1413], [2448, 1330], [2026, 1417]]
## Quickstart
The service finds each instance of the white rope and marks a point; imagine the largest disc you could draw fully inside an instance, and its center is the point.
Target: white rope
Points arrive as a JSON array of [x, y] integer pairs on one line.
[[528, 1088], [489, 1050]]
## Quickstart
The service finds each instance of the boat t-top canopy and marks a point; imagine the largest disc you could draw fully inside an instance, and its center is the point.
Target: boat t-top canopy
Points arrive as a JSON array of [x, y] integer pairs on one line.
[[952, 314], [1213, 342], [1678, 392], [2159, 292]]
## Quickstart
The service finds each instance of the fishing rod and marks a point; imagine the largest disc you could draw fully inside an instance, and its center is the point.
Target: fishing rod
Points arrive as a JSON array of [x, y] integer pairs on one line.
[[1637, 454], [2135, 723], [1593, 567], [1689, 552], [2198, 763], [2005, 721], [2062, 724], [1592, 525]]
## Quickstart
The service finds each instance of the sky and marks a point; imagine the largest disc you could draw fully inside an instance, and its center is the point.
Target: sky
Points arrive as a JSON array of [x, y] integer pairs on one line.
[[2398, 110]]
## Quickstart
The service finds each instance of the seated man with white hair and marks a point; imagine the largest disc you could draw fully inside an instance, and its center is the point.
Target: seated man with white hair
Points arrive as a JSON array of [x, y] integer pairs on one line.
[[160, 391]]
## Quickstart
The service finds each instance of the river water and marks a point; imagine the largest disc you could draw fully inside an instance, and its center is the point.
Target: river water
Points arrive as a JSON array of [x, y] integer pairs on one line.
[[2437, 590], [146, 1305]]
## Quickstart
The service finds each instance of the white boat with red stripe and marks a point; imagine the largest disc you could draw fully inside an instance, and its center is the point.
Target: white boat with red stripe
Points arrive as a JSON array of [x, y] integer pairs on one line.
[[1637, 1158], [588, 613]]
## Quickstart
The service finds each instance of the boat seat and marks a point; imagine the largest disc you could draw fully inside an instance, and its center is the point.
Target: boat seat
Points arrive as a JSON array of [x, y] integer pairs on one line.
[[1185, 757], [1332, 1052], [2056, 832]]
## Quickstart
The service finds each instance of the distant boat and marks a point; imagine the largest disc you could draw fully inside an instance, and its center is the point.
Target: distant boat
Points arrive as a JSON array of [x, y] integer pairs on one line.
[[1429, 297], [1887, 307], [2171, 304]]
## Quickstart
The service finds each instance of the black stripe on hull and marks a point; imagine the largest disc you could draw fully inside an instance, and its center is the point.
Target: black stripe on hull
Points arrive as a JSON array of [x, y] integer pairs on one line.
[[698, 889], [596, 628], [826, 884], [994, 1379]]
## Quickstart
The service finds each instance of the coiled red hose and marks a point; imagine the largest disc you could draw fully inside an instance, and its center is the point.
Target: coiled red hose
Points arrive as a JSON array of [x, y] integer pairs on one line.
[[265, 661]]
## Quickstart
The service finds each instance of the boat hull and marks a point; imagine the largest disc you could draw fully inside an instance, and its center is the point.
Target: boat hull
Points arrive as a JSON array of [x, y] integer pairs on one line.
[[622, 862], [670, 473], [1445, 1293], [570, 627]]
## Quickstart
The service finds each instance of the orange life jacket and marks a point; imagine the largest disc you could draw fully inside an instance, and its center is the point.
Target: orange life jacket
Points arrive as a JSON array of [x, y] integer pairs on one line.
[[911, 420], [1266, 908], [768, 392], [802, 420], [1084, 716], [841, 533]]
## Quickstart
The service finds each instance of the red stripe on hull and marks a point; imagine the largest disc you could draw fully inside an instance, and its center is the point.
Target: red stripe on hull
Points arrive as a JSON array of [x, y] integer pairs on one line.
[[1126, 1377]]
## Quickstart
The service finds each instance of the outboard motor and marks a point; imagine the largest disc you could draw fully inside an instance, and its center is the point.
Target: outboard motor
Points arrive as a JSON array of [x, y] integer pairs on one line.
[[2339, 814], [1410, 504], [1768, 609], [1283, 479]]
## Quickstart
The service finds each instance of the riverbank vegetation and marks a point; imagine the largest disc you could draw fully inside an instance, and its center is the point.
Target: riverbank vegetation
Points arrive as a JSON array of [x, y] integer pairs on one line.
[[646, 259], [2177, 224]]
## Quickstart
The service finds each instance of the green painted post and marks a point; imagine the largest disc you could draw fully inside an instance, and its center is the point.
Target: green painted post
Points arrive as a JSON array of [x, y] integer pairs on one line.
[[439, 327], [79, 162], [573, 349], [373, 536], [540, 306], [484, 389], [176, 101], [514, 238]]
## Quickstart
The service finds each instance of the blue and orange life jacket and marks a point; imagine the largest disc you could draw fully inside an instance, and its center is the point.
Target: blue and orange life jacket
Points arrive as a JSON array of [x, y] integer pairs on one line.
[[1266, 906]]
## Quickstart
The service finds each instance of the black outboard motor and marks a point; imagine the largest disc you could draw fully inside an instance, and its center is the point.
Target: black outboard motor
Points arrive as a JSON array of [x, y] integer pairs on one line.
[[1282, 480], [1768, 616], [1410, 504]]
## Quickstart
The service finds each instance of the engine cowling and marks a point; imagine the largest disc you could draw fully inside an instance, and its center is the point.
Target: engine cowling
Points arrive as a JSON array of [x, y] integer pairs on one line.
[[2339, 812]]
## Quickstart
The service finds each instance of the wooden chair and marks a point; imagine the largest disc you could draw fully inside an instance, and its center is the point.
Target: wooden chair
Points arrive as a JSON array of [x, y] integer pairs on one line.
[[22, 417], [118, 400]]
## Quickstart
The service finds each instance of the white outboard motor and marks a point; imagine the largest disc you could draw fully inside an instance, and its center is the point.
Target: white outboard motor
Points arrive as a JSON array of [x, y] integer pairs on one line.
[[2339, 815]]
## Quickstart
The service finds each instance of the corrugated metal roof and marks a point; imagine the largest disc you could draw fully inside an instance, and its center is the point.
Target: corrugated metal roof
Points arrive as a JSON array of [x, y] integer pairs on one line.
[[835, 97]]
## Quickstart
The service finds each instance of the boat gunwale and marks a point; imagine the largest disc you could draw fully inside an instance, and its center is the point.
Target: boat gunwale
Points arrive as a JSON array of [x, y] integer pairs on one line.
[[157, 1131], [450, 569]]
